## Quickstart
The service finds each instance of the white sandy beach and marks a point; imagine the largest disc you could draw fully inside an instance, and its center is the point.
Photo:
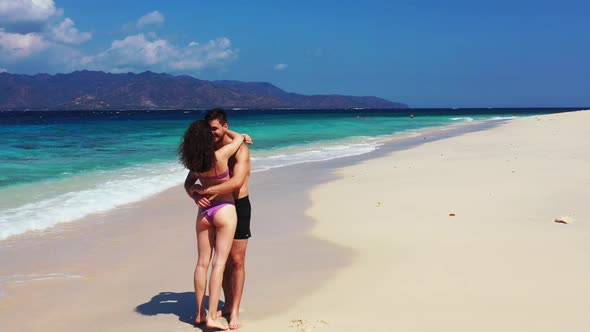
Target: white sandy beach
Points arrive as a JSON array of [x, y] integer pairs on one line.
[[456, 234]]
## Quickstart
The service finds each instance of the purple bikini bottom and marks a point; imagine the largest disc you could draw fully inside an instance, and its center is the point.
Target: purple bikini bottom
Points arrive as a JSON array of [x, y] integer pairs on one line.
[[211, 211]]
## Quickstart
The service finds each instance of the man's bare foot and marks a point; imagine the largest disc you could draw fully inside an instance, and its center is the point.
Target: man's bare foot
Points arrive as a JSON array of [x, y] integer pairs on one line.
[[234, 321], [201, 317], [218, 323], [223, 312]]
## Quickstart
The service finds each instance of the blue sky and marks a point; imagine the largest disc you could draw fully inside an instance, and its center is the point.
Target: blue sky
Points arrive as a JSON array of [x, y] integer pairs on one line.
[[423, 53]]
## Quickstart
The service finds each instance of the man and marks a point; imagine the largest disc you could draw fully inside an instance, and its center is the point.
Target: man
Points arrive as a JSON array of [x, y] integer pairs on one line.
[[239, 166]]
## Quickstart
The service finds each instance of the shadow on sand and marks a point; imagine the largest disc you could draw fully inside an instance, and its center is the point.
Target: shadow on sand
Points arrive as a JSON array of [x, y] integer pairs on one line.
[[183, 305]]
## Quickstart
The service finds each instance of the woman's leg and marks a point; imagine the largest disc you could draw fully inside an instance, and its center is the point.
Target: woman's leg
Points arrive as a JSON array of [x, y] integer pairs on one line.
[[205, 242], [225, 225]]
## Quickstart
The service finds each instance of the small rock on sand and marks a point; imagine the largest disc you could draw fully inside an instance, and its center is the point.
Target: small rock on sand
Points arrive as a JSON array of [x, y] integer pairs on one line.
[[564, 220]]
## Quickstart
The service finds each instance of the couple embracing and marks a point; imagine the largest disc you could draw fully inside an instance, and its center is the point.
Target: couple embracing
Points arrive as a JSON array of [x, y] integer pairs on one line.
[[217, 158]]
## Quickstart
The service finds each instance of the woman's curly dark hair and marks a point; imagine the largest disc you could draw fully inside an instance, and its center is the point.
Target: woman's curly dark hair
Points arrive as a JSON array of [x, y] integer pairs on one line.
[[197, 151]]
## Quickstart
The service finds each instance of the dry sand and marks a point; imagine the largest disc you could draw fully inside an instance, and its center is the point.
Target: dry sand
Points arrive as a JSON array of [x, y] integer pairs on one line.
[[377, 249]]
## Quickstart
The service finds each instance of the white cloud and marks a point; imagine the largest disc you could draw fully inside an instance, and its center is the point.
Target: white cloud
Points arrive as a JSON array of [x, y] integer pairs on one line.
[[281, 66], [141, 52], [27, 10], [29, 36], [49, 45], [153, 18], [3, 70], [14, 46], [213, 53], [67, 33]]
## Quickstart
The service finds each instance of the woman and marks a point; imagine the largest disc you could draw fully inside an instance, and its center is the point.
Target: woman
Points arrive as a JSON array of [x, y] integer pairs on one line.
[[215, 224]]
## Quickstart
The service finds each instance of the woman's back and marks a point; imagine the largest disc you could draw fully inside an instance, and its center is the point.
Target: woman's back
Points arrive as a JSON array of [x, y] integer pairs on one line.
[[217, 175], [197, 152]]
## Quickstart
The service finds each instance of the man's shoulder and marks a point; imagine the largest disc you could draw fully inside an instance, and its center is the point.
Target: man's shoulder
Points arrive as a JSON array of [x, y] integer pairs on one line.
[[241, 156], [243, 152]]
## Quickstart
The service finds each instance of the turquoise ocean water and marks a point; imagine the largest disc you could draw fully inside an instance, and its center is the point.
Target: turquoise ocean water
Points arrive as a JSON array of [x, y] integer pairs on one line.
[[61, 166]]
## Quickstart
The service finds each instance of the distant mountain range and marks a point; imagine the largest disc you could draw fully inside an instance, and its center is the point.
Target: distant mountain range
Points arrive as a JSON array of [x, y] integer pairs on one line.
[[83, 90]]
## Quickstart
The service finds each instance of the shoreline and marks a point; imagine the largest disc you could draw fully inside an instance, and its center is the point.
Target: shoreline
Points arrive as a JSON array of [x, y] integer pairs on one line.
[[119, 254], [386, 141]]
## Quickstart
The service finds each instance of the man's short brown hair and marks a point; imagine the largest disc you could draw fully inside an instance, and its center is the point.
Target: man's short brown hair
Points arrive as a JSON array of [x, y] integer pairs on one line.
[[216, 114]]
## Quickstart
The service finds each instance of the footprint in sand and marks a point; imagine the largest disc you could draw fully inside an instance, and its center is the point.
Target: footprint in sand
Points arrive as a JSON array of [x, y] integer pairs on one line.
[[303, 325]]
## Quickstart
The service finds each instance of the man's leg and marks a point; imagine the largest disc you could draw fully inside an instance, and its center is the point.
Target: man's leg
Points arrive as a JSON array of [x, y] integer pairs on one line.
[[237, 280], [227, 286], [235, 273]]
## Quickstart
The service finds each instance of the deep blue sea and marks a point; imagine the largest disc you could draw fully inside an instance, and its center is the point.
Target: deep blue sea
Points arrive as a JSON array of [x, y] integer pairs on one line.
[[60, 166]]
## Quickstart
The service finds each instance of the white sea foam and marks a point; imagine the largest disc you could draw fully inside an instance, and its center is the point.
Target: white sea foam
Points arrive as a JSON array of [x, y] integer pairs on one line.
[[315, 152], [465, 118], [40, 206], [76, 197]]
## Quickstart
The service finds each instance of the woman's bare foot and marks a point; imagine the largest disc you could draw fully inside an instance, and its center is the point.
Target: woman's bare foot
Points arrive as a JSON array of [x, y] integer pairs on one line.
[[234, 321], [201, 317], [218, 323]]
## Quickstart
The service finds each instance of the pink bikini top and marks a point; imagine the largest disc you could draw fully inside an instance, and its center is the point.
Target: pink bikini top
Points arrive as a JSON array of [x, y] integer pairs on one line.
[[216, 176]]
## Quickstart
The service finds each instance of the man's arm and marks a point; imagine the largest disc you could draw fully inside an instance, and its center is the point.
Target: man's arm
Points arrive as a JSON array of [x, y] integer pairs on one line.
[[230, 149], [240, 172]]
